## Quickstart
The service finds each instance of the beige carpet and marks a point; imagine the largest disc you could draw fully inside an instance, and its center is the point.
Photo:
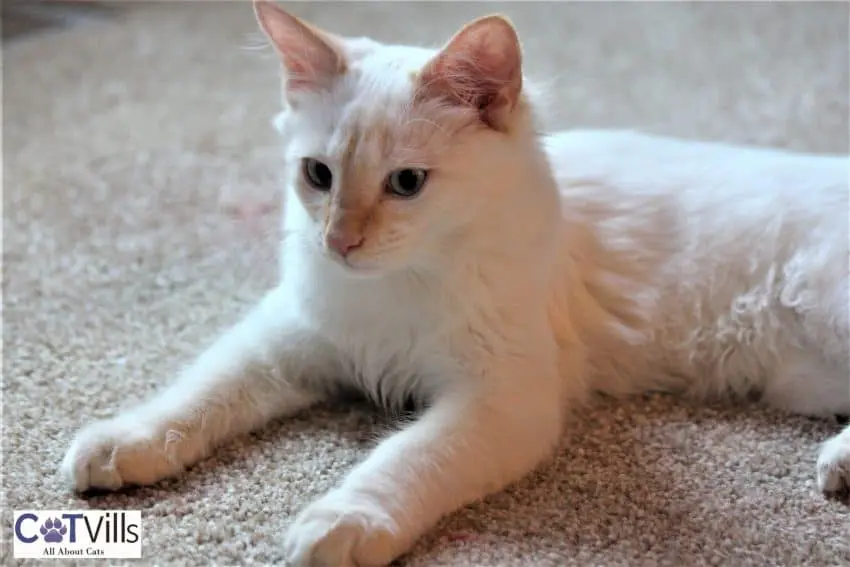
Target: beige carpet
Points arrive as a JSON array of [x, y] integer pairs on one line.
[[119, 139]]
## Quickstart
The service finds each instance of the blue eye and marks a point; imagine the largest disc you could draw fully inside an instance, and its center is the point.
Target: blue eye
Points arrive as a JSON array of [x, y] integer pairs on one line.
[[406, 182], [317, 174]]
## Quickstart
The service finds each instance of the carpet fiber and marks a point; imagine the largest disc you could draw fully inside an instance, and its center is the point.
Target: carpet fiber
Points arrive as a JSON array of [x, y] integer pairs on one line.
[[121, 139]]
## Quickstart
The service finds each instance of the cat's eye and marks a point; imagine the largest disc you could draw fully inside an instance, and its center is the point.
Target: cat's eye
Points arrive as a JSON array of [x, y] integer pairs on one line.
[[406, 182], [317, 174]]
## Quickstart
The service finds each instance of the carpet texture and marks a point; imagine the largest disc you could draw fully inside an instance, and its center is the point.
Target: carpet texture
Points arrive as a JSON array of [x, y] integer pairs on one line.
[[122, 137]]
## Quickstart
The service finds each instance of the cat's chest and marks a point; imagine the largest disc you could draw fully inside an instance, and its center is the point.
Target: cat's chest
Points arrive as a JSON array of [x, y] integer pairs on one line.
[[389, 335], [390, 350]]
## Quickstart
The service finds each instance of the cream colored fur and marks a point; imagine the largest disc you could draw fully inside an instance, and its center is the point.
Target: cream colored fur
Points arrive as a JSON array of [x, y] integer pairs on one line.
[[531, 272]]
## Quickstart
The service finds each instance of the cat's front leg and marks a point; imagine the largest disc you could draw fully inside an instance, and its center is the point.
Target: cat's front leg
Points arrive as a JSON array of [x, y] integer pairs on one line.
[[258, 370], [469, 444]]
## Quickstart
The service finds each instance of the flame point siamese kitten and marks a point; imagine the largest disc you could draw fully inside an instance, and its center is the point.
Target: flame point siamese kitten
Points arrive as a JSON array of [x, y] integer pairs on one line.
[[440, 248]]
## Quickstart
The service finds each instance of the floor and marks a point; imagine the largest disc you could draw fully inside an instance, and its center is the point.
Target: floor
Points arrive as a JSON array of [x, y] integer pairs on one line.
[[124, 137], [24, 18]]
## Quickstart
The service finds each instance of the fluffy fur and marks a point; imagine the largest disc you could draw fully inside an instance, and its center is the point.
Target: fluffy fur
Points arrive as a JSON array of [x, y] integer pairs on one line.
[[531, 272]]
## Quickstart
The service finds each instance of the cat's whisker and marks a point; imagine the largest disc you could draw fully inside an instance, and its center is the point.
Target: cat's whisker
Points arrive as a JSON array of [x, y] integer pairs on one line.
[[256, 42]]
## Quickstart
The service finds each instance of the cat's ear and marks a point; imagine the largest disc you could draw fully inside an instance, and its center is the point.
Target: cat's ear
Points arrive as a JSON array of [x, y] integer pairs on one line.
[[312, 57], [481, 68]]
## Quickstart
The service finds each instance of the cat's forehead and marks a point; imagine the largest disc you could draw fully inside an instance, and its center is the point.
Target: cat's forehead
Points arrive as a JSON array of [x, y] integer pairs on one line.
[[371, 112], [380, 85], [380, 62]]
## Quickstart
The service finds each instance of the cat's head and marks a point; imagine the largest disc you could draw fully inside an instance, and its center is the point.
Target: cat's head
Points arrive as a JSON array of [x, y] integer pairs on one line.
[[396, 152]]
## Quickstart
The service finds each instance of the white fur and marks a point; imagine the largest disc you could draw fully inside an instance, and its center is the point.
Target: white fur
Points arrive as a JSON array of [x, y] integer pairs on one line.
[[549, 268]]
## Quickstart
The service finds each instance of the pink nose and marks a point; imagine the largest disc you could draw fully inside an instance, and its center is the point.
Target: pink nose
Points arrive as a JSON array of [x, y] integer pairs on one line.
[[344, 243]]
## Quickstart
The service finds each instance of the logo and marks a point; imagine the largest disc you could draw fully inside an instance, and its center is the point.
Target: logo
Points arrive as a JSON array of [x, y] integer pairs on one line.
[[53, 530], [93, 534]]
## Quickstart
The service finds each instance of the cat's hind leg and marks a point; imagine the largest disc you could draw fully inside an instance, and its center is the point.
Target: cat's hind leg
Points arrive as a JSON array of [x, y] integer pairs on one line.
[[805, 383], [818, 382], [834, 463], [808, 385], [260, 369]]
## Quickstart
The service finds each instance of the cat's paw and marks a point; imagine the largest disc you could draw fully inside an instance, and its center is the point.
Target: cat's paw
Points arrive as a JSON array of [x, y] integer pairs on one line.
[[834, 464], [342, 530], [113, 453]]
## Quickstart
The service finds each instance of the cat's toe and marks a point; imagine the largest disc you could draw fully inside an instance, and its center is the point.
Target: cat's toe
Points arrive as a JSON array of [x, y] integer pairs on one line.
[[341, 530], [88, 463], [108, 455], [834, 464]]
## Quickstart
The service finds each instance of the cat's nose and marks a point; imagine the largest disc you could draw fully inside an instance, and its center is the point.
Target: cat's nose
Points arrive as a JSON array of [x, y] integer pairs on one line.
[[343, 243]]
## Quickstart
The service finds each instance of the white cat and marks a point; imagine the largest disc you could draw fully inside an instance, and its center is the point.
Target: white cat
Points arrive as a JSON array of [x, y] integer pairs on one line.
[[440, 248]]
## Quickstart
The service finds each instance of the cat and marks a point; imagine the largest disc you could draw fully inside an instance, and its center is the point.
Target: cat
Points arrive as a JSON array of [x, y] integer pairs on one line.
[[440, 248]]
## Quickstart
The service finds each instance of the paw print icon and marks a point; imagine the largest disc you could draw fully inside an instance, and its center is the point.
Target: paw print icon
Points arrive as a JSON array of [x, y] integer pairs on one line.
[[52, 530]]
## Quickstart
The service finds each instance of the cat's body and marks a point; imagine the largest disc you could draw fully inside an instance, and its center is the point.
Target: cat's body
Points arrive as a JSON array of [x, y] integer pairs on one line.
[[734, 260], [629, 280], [500, 277]]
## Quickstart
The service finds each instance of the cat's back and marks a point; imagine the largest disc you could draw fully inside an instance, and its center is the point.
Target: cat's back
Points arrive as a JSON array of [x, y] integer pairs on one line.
[[712, 241], [643, 164], [711, 194]]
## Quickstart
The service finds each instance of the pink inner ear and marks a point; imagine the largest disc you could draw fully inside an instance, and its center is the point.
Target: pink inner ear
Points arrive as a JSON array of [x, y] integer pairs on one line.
[[480, 68], [468, 80], [312, 58], [307, 70]]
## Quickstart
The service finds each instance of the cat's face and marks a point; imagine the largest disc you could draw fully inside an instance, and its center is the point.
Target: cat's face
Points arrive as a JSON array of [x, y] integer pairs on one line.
[[388, 147]]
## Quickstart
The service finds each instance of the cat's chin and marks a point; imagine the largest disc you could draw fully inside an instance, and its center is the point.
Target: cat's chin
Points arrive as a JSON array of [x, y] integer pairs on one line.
[[360, 273], [355, 269]]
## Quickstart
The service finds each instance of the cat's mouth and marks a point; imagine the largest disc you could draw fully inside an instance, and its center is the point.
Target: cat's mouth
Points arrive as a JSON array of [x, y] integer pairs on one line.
[[353, 266]]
